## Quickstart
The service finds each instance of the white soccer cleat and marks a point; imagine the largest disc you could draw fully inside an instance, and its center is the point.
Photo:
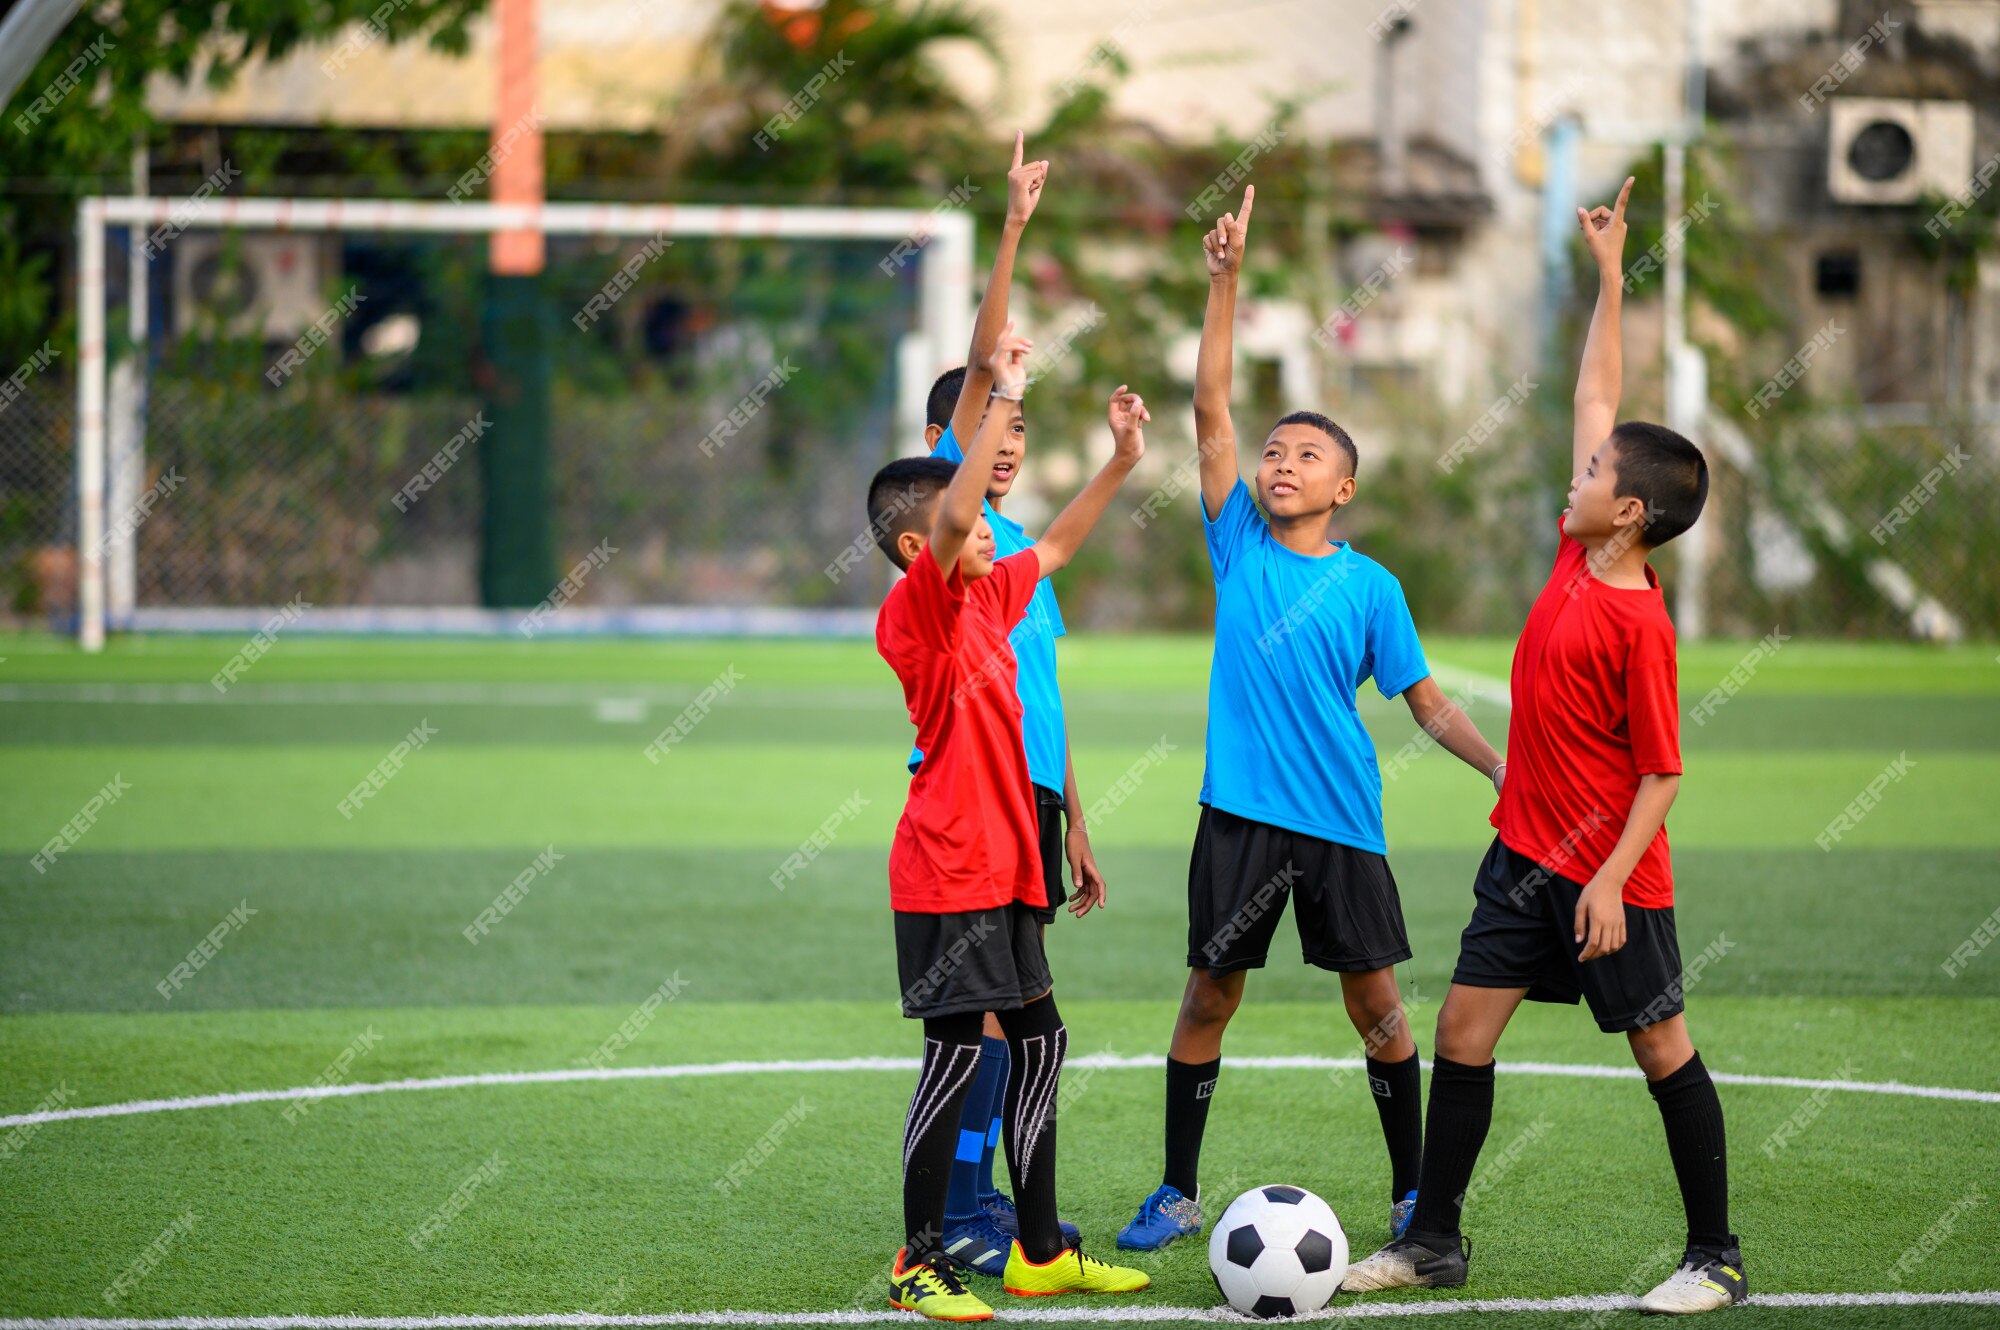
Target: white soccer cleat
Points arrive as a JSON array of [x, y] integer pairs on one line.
[[1699, 1286], [1407, 1264]]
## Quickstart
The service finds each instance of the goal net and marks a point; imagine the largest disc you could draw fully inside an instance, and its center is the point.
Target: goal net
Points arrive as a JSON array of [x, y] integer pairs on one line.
[[281, 403]]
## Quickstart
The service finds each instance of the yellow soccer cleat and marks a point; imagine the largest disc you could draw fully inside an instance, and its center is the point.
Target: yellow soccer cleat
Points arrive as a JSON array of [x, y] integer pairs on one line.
[[1069, 1272], [932, 1289]]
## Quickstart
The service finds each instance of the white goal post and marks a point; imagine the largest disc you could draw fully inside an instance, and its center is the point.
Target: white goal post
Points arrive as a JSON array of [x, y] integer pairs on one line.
[[939, 240]]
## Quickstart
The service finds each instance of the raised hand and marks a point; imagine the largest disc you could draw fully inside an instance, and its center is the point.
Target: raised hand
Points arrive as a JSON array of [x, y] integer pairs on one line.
[[1224, 244], [1009, 364], [1604, 230], [1024, 184], [1128, 415]]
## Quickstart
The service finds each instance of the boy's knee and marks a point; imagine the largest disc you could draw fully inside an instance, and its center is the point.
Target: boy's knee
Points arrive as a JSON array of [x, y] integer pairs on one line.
[[1461, 1040], [1209, 1002], [1660, 1049], [1374, 1013]]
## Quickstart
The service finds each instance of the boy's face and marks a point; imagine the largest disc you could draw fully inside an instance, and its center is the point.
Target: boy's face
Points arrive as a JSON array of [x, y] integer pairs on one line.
[[1013, 448], [975, 560], [1302, 472], [1595, 510]]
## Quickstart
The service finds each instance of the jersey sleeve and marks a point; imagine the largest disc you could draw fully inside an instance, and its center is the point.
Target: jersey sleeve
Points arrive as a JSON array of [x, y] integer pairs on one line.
[[1013, 581], [947, 447], [1232, 529], [1652, 702], [933, 602], [1393, 646], [1057, 628]]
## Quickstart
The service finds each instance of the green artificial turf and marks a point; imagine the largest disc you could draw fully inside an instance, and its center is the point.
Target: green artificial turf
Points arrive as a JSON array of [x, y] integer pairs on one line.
[[604, 1196]]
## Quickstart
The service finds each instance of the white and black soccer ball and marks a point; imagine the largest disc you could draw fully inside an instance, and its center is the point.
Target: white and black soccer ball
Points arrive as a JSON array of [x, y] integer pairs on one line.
[[1278, 1251]]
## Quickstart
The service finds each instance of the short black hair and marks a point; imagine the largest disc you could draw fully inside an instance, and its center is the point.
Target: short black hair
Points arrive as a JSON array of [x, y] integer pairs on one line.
[[944, 397], [900, 498], [1662, 470], [1331, 430]]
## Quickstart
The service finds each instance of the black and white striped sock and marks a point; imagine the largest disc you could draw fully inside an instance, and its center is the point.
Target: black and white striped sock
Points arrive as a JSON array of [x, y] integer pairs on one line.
[[1037, 1042], [930, 1131]]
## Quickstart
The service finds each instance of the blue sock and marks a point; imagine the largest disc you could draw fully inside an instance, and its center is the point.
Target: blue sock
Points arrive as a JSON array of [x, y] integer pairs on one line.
[[993, 1062], [973, 1162]]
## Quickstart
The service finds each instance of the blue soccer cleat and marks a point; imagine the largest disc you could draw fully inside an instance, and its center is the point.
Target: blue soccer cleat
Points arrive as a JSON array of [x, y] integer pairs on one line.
[[977, 1244], [1001, 1210], [1399, 1216], [1165, 1216]]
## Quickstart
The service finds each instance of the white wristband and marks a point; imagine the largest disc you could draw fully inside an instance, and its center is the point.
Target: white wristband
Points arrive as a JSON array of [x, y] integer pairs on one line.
[[1496, 776], [1009, 397]]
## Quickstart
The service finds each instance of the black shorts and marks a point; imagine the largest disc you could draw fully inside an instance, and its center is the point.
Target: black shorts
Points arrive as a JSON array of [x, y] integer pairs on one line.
[[1349, 915], [974, 960], [1049, 812], [1523, 935]]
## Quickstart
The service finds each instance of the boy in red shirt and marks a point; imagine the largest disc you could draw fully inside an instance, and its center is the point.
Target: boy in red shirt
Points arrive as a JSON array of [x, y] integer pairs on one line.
[[965, 871], [1575, 898]]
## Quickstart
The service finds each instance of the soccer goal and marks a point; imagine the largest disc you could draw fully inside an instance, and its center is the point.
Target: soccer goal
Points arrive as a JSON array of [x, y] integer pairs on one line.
[[284, 419]]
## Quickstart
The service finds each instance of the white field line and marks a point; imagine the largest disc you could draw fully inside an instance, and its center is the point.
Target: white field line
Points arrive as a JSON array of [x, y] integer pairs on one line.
[[899, 1064], [768, 696], [1592, 1302]]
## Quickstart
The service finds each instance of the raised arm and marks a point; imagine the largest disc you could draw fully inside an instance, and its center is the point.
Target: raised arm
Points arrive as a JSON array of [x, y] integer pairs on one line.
[[1024, 190], [1065, 535], [958, 509], [1599, 379], [1214, 434]]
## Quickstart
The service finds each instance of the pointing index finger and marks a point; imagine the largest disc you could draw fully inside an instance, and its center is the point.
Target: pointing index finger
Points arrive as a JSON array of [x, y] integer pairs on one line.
[[1020, 142], [1618, 211], [1249, 197]]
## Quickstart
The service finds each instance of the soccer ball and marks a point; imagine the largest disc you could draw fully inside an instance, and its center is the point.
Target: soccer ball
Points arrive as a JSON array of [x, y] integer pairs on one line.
[[1278, 1251]]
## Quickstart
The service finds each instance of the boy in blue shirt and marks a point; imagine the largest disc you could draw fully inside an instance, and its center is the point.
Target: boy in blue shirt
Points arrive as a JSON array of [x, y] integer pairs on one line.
[[979, 1218], [1292, 800]]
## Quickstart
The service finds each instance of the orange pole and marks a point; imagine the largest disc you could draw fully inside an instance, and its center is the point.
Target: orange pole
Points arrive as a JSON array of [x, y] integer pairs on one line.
[[517, 136]]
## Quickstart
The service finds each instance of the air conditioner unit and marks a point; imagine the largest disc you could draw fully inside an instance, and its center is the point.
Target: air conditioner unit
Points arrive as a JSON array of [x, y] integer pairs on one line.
[[1884, 150], [248, 283]]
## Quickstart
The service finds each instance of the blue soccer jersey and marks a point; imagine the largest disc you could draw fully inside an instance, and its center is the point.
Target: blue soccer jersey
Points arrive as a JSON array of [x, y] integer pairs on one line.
[[1295, 638], [1034, 643]]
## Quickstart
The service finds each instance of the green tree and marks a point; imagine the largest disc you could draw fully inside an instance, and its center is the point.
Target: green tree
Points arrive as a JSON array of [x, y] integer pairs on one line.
[[81, 143]]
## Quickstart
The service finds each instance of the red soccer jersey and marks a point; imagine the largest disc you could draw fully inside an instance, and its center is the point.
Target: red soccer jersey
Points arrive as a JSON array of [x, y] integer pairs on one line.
[[1595, 708], [969, 837]]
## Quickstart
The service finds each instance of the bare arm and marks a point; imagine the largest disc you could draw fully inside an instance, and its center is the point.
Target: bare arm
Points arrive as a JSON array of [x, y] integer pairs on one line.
[[1600, 911], [1600, 378], [1024, 190], [958, 509], [1065, 535], [1214, 432], [1444, 721], [1083, 874]]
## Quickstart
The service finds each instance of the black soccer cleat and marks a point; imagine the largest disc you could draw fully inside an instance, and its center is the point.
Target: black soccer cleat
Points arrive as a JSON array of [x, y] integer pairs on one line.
[[1410, 1263]]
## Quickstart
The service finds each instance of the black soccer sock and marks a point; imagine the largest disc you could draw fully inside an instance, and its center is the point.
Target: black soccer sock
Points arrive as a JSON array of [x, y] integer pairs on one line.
[[1461, 1112], [1190, 1086], [930, 1132], [1036, 1044], [1692, 1114], [1398, 1089]]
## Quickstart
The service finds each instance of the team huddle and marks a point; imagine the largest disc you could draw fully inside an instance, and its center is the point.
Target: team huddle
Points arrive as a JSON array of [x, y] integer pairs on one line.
[[1572, 902]]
